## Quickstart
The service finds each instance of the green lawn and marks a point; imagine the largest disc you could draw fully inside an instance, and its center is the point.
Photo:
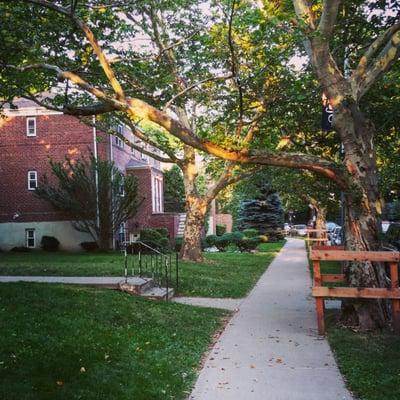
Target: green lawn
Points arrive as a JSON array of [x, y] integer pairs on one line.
[[222, 275], [226, 274], [64, 342], [369, 362]]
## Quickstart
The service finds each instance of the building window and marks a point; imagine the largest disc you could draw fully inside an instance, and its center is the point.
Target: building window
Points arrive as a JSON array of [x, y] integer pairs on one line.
[[121, 188], [157, 194], [118, 141], [32, 180], [143, 156], [31, 126], [30, 241]]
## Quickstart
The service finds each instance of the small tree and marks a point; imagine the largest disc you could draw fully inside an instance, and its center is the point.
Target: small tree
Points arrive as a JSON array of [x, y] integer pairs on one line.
[[94, 193], [264, 213], [174, 190]]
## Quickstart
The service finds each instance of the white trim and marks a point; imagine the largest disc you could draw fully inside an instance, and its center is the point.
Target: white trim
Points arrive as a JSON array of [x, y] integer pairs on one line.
[[29, 112], [28, 132], [28, 237], [118, 141], [34, 179]]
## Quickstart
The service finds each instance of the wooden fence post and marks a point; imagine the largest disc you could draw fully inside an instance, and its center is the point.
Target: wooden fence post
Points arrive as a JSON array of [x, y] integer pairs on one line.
[[394, 277], [319, 301]]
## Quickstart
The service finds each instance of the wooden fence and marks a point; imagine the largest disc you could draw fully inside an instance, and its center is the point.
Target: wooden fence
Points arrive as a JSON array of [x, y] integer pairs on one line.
[[316, 236], [322, 292]]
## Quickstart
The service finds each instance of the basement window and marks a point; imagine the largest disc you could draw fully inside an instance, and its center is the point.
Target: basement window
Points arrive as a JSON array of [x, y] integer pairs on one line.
[[30, 241]]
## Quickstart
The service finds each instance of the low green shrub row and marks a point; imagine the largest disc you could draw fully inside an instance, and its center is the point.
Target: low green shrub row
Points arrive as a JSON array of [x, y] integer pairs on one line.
[[245, 241]]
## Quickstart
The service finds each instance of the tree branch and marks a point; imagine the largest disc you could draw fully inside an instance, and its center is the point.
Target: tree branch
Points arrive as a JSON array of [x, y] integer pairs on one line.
[[234, 71], [328, 18], [139, 134], [105, 64], [112, 132], [194, 85], [372, 64], [226, 179], [305, 13]]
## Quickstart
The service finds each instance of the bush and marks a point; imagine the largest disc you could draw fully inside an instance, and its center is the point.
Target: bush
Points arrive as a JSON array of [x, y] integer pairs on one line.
[[154, 239], [211, 240], [220, 229], [228, 239], [90, 246], [21, 249], [250, 232], [263, 238], [49, 243], [178, 243], [164, 232], [248, 244]]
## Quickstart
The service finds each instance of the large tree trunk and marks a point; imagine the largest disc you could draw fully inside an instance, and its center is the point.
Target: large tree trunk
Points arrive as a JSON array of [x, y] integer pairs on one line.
[[196, 209], [320, 222], [363, 207]]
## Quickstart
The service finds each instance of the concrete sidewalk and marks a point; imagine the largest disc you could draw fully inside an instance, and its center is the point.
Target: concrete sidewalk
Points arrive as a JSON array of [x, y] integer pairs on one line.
[[271, 350], [102, 281]]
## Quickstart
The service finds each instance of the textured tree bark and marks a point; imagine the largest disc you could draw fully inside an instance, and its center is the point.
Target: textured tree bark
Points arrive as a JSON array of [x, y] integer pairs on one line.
[[363, 207], [196, 209], [320, 222]]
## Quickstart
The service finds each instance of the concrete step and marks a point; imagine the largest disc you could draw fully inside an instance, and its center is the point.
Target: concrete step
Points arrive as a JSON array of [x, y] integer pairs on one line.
[[181, 226], [158, 293], [136, 285]]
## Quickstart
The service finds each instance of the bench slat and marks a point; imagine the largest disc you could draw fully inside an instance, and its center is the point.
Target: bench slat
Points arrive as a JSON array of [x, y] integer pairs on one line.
[[332, 278], [343, 255], [348, 292]]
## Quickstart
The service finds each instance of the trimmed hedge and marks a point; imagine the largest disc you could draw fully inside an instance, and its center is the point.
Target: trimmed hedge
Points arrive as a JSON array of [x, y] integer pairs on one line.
[[49, 243], [21, 249], [243, 242], [248, 244], [250, 233], [220, 229], [90, 246]]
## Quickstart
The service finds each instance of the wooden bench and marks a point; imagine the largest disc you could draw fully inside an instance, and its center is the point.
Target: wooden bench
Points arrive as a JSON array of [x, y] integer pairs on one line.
[[322, 292]]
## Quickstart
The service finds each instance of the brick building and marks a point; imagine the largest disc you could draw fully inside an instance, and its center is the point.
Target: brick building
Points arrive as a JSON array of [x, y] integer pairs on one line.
[[30, 135]]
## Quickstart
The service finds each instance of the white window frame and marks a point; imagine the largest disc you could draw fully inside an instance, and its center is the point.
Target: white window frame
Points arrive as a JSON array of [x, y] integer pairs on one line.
[[122, 233], [28, 131], [121, 189], [28, 237], [34, 179], [143, 156], [118, 141], [156, 186]]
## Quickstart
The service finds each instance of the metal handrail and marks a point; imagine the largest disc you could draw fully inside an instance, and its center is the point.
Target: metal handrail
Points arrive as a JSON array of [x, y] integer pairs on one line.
[[156, 265]]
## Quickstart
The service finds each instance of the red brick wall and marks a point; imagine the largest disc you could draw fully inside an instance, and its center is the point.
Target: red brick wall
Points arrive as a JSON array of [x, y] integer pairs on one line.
[[225, 219], [145, 210], [145, 217], [56, 137], [166, 220]]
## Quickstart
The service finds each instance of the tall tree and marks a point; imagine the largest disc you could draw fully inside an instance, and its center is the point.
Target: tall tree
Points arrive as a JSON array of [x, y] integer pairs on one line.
[[94, 194], [264, 212], [253, 34], [174, 190]]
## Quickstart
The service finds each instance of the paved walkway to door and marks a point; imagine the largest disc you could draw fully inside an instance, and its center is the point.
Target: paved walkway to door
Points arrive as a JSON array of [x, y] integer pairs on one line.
[[271, 350]]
